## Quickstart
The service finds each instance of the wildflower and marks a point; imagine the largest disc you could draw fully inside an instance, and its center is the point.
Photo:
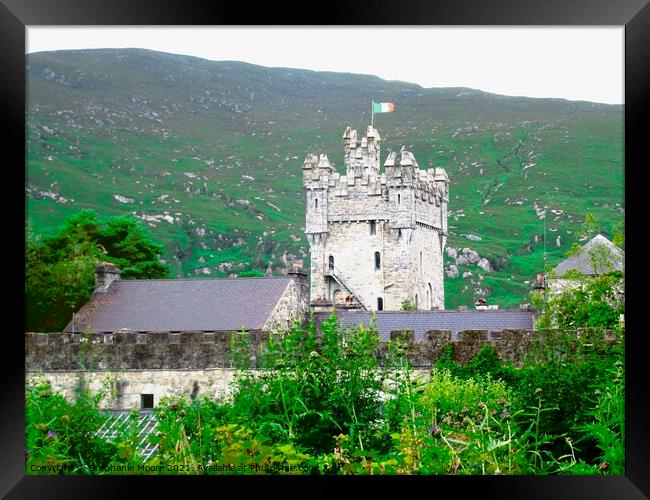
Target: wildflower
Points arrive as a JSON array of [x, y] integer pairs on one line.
[[603, 466], [504, 413], [51, 435], [538, 390], [65, 419], [434, 430], [41, 427]]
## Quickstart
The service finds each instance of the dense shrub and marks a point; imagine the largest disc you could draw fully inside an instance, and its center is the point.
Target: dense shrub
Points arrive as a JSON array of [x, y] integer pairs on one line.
[[322, 403]]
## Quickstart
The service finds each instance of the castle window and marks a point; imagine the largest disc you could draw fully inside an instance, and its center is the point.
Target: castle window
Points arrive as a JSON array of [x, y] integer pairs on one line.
[[146, 401], [399, 199], [380, 304], [331, 263], [416, 300], [373, 227], [315, 202], [430, 296], [377, 261]]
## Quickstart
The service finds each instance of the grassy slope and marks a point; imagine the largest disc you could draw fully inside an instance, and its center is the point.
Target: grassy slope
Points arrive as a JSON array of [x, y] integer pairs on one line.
[[183, 137]]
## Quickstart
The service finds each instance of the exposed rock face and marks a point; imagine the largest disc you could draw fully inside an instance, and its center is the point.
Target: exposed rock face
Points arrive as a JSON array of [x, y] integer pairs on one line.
[[452, 271], [466, 274], [468, 256], [473, 237], [452, 253], [485, 265]]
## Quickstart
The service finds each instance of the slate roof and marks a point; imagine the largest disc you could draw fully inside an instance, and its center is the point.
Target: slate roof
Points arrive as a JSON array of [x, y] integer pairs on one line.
[[422, 321], [582, 260], [181, 304]]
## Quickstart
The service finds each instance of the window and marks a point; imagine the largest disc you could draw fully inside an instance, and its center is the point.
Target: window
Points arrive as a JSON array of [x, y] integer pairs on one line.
[[416, 300], [430, 296], [373, 227], [331, 263], [146, 401], [399, 199], [315, 202], [377, 261], [380, 304]]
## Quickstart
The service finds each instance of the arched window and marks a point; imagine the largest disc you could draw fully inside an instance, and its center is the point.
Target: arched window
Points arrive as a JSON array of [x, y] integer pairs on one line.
[[416, 300], [430, 296], [373, 227], [331, 263], [380, 304], [377, 261], [315, 202], [399, 199]]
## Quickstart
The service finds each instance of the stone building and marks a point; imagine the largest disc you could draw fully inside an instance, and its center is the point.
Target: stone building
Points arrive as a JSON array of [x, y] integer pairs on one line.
[[598, 256], [376, 238], [168, 305]]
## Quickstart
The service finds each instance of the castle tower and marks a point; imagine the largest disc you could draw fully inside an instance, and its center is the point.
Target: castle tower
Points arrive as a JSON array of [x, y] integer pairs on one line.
[[375, 239]]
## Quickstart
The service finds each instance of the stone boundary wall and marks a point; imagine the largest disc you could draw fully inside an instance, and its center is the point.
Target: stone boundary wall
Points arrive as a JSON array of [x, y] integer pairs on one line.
[[196, 350]]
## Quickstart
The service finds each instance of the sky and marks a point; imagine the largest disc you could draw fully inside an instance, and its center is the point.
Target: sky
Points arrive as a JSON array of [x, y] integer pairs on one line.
[[576, 63]]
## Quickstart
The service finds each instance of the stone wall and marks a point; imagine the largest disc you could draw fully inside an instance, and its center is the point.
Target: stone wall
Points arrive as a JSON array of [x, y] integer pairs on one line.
[[292, 306], [50, 352], [124, 388], [130, 364]]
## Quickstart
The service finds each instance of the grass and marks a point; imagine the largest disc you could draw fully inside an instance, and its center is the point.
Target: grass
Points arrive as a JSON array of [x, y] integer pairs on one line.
[[224, 121]]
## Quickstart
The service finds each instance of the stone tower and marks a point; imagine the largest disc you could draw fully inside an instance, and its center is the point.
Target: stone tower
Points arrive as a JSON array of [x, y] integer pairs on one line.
[[376, 239]]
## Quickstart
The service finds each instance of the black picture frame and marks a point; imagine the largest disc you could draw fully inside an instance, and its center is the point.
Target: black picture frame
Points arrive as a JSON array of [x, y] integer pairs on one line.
[[633, 14]]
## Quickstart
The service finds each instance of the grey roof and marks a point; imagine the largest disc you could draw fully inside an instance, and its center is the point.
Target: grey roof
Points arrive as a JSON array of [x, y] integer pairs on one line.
[[582, 261], [181, 304], [422, 321]]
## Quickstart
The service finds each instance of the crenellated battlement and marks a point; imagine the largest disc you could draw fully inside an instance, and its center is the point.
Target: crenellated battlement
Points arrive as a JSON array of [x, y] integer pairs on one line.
[[52, 352], [365, 220]]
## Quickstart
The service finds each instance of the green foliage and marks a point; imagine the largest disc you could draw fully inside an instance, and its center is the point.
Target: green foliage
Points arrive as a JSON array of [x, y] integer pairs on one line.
[[595, 302], [59, 270], [61, 434], [564, 372], [313, 386], [407, 305], [253, 273], [322, 403], [590, 226]]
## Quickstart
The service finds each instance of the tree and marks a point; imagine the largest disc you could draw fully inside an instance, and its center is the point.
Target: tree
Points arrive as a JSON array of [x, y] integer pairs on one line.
[[407, 305], [59, 270]]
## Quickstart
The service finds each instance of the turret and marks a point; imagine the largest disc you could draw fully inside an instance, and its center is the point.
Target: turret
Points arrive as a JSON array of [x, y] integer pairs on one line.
[[362, 155], [442, 183], [316, 175], [400, 171]]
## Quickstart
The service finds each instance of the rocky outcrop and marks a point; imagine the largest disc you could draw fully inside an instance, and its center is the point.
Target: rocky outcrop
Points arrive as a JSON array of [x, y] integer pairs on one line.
[[468, 256], [452, 271], [485, 265]]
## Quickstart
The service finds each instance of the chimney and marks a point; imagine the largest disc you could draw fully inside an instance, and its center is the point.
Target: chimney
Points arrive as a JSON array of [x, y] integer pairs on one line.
[[298, 273], [105, 274]]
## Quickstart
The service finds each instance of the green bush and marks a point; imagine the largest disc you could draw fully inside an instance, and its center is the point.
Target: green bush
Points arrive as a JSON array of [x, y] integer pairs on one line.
[[313, 386], [62, 434]]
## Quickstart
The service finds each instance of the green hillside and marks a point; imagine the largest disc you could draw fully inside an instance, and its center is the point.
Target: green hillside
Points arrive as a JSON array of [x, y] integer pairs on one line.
[[210, 154]]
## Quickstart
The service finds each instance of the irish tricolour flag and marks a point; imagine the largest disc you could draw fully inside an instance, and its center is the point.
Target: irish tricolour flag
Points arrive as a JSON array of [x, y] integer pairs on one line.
[[382, 107]]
